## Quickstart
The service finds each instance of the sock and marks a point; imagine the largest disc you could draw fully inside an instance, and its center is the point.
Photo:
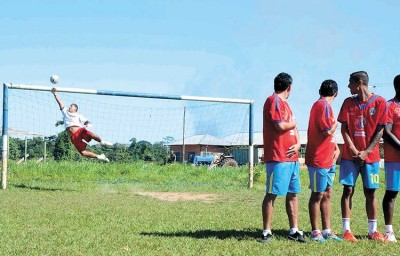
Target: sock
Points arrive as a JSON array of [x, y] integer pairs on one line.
[[326, 231], [316, 231], [372, 226], [293, 230], [388, 228], [346, 224], [266, 232]]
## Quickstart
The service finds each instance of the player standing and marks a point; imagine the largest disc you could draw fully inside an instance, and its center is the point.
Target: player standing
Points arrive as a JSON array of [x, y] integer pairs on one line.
[[78, 134], [281, 145], [363, 117], [392, 160], [321, 155]]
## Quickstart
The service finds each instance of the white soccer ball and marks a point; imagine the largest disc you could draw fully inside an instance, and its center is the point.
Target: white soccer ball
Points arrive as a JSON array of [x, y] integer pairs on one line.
[[54, 79]]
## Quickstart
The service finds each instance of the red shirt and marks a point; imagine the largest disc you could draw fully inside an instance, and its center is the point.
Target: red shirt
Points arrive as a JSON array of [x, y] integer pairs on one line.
[[320, 148], [392, 154], [362, 119], [276, 143]]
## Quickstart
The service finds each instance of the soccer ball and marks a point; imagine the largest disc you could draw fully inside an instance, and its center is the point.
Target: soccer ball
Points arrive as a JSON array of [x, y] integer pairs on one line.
[[54, 79]]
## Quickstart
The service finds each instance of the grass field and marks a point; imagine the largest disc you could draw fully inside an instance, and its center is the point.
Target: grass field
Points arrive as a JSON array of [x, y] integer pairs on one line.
[[87, 208]]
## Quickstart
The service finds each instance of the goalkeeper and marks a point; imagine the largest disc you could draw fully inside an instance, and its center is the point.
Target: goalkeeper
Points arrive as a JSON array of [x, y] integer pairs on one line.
[[80, 137]]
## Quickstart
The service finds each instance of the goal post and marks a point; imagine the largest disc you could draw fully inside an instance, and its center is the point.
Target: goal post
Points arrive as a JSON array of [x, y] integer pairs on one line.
[[8, 98], [4, 153]]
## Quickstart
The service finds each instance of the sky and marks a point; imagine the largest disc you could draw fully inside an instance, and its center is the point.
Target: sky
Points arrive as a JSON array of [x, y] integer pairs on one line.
[[210, 48]]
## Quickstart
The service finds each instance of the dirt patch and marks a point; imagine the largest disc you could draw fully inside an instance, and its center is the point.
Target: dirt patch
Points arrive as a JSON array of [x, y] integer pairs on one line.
[[176, 196]]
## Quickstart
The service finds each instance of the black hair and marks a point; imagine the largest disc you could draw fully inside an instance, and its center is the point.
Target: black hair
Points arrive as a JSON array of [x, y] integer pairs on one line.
[[76, 106], [360, 75], [282, 81], [396, 83], [328, 88]]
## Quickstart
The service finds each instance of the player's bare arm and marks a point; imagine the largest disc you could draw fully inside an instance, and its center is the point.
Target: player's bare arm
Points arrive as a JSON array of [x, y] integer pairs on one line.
[[336, 153], [294, 149], [285, 126], [390, 138], [362, 155], [60, 103], [347, 139], [332, 130]]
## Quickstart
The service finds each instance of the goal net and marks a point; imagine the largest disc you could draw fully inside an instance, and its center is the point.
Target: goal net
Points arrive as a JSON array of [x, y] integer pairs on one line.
[[189, 125]]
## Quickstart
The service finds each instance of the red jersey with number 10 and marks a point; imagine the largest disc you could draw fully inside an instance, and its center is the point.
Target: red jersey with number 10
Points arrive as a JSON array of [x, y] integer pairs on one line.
[[392, 154], [362, 119], [276, 143], [320, 148]]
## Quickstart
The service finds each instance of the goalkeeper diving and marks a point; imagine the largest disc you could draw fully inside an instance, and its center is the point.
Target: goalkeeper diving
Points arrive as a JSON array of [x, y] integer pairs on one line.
[[79, 135]]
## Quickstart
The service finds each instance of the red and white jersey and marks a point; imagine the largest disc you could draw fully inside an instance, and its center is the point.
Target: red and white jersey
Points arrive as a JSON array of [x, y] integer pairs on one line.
[[320, 148], [362, 119], [391, 153], [276, 143]]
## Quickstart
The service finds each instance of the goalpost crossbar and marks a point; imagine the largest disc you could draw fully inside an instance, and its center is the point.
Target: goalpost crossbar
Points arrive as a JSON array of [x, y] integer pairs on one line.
[[128, 94]]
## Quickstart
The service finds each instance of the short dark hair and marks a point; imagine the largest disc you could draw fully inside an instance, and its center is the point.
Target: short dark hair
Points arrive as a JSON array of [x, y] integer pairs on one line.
[[328, 88], [360, 75], [76, 106], [282, 81], [396, 83]]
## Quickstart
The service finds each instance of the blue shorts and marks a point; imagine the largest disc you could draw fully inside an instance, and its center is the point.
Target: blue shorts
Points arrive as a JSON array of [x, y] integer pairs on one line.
[[283, 178], [320, 178], [349, 172], [392, 171]]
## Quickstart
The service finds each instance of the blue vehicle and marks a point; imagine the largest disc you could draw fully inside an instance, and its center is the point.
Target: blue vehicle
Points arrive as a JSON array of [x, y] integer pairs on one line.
[[203, 160], [220, 160]]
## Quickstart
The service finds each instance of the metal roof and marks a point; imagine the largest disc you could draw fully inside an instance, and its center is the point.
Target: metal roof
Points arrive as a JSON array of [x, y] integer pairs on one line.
[[201, 139]]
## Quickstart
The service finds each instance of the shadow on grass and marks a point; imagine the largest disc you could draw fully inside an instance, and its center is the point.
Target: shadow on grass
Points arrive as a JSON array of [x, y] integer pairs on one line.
[[34, 187], [246, 234]]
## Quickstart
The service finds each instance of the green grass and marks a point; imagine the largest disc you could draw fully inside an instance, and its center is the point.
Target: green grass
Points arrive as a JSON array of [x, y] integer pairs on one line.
[[87, 208]]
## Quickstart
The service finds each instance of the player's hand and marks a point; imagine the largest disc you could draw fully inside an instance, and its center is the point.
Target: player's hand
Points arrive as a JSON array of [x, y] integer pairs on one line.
[[359, 159], [363, 155], [292, 150], [54, 90]]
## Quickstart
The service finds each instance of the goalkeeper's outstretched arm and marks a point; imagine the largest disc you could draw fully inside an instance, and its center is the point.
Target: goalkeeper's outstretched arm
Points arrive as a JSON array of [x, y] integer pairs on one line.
[[60, 103]]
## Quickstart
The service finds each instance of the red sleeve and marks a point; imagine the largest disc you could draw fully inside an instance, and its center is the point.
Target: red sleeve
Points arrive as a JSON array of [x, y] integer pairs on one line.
[[390, 112], [275, 110], [342, 117], [383, 113], [323, 113]]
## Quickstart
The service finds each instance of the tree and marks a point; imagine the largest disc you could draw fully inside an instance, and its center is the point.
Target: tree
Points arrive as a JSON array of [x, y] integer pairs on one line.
[[119, 153], [144, 150], [161, 153], [168, 139], [63, 148], [13, 148], [35, 147]]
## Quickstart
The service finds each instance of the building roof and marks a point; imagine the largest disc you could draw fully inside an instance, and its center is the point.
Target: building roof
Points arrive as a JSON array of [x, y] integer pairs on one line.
[[242, 139], [201, 139]]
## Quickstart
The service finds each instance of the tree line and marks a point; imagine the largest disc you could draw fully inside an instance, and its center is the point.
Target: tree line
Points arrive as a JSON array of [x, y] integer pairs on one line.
[[59, 147]]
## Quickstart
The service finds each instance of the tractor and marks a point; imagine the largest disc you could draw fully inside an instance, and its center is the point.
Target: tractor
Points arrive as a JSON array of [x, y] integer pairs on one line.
[[223, 160]]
